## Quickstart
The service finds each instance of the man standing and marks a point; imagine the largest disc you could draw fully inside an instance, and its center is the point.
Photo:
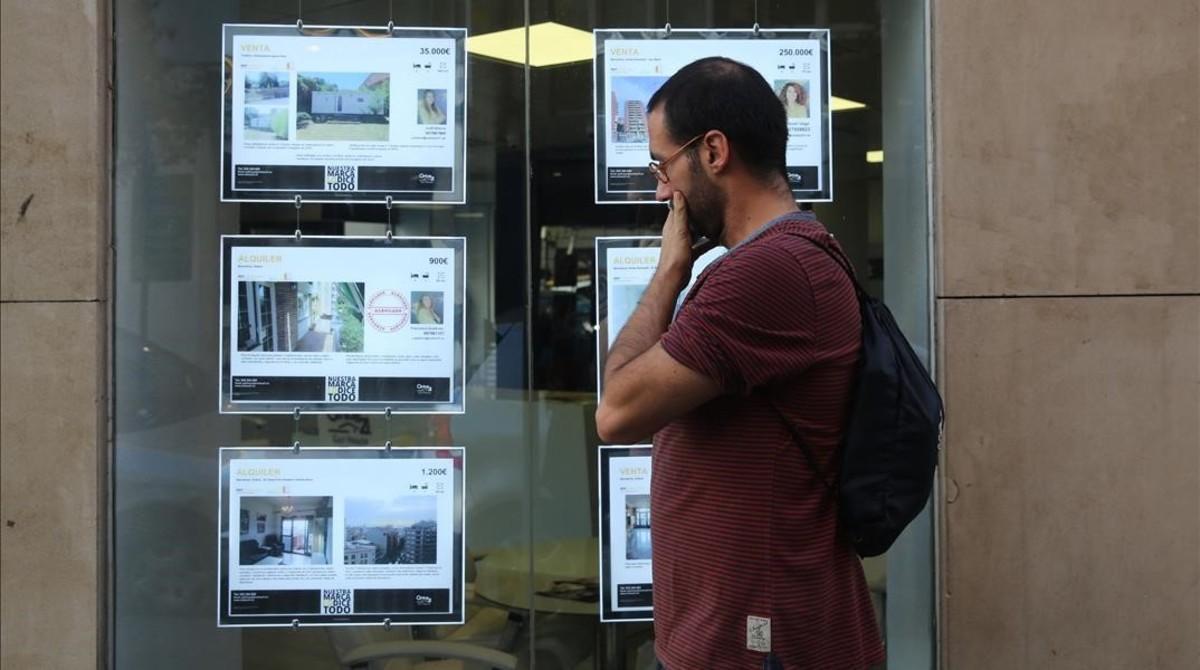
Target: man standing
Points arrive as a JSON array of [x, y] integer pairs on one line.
[[749, 570]]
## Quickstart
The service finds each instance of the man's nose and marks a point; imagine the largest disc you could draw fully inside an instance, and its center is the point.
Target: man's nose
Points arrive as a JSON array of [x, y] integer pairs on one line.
[[664, 192]]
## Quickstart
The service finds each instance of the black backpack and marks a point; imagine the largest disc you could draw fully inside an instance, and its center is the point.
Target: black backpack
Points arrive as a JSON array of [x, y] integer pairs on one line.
[[893, 432]]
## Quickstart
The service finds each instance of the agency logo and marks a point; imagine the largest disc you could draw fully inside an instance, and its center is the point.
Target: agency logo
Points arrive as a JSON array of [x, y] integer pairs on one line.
[[337, 601], [341, 178], [425, 178], [387, 311], [424, 389], [423, 601]]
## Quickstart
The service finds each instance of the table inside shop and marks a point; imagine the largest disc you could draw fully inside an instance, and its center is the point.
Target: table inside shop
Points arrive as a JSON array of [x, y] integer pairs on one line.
[[503, 578]]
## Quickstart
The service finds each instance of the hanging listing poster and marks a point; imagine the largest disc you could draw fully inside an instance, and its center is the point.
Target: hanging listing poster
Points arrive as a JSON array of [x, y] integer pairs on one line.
[[624, 268], [342, 324], [625, 568], [337, 535], [337, 114], [631, 65]]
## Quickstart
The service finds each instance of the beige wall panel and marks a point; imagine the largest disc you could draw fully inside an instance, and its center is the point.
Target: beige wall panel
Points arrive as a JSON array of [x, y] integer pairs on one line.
[[51, 367], [1072, 467], [1068, 146], [52, 134]]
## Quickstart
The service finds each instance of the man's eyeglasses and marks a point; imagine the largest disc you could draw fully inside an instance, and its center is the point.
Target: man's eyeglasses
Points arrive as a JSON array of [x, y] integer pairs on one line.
[[659, 168]]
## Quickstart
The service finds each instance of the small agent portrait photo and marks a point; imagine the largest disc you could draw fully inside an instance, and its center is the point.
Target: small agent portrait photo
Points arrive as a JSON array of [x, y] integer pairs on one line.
[[431, 106], [427, 307], [794, 96]]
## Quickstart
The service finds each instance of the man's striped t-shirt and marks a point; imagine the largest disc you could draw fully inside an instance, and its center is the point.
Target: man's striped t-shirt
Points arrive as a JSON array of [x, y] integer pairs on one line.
[[744, 531]]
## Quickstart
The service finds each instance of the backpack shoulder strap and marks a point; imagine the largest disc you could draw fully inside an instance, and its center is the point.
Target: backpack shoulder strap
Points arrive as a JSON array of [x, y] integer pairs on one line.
[[804, 449], [838, 257]]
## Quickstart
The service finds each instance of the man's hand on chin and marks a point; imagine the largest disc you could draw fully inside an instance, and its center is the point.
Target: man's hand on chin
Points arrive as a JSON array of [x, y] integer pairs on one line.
[[677, 255]]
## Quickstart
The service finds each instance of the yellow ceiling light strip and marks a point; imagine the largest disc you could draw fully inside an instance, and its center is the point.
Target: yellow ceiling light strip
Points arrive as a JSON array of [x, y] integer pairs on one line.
[[549, 44], [837, 104]]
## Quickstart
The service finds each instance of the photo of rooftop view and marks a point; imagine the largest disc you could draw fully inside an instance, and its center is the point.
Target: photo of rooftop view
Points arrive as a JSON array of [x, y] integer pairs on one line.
[[399, 530]]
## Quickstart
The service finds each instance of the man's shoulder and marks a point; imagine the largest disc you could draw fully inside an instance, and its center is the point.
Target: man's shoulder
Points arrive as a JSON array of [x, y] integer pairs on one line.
[[781, 250]]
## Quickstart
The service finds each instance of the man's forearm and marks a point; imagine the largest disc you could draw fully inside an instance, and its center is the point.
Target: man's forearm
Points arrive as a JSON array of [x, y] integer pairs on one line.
[[649, 320]]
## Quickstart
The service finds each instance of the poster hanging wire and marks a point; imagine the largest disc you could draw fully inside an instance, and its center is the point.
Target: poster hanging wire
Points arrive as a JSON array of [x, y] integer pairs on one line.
[[299, 16], [299, 201], [668, 26], [391, 21]]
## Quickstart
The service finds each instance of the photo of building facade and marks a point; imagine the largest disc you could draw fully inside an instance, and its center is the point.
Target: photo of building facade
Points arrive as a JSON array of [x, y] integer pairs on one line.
[[300, 316], [628, 101]]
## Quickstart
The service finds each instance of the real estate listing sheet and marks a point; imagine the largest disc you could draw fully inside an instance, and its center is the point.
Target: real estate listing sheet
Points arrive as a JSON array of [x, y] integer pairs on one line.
[[631, 65], [347, 323], [626, 585], [624, 268], [337, 535], [337, 113]]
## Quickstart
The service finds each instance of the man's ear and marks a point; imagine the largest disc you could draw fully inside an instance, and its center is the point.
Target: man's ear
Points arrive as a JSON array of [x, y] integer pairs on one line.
[[717, 151]]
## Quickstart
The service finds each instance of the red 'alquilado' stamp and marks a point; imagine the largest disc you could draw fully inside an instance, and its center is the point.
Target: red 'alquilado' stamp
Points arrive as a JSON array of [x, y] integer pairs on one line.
[[387, 311]]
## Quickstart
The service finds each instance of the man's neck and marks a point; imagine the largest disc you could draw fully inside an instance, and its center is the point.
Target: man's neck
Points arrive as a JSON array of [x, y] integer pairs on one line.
[[756, 205]]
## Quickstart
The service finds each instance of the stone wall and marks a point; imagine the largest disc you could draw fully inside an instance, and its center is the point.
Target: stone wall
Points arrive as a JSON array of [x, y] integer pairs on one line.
[[54, 214], [1067, 204]]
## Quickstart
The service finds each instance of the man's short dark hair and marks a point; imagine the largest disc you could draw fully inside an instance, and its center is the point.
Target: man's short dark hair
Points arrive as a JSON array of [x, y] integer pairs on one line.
[[722, 94]]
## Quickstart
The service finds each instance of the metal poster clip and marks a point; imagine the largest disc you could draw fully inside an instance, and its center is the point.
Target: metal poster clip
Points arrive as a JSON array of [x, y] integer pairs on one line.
[[296, 430], [756, 29], [299, 202], [668, 28], [388, 203], [295, 624], [300, 26], [387, 418], [387, 446], [391, 28], [387, 624]]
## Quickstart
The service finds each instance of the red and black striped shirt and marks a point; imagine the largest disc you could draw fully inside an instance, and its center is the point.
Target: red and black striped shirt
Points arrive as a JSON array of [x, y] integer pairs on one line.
[[742, 525]]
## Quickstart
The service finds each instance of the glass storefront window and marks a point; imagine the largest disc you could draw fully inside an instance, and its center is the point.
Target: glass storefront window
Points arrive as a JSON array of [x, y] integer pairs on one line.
[[530, 222]]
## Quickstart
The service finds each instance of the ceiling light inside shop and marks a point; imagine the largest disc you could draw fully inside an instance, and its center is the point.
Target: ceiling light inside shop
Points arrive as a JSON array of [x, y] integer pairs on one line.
[[837, 104], [549, 44], [875, 156]]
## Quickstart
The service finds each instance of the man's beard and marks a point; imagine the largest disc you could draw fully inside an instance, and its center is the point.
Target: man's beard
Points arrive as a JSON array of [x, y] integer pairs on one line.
[[706, 205]]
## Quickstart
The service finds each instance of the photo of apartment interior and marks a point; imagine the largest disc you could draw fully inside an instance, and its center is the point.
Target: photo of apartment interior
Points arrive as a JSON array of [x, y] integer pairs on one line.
[[296, 531], [637, 527]]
